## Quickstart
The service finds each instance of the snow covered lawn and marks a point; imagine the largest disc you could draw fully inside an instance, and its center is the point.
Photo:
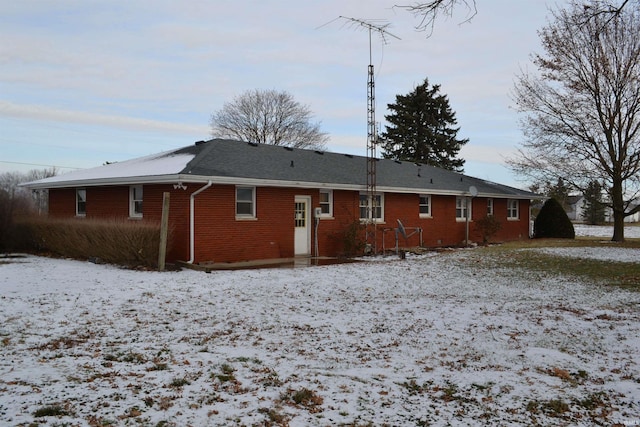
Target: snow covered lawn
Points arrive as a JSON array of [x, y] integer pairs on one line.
[[435, 339]]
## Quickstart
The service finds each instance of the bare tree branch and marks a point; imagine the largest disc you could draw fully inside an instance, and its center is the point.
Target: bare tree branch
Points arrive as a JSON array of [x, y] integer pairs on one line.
[[429, 12]]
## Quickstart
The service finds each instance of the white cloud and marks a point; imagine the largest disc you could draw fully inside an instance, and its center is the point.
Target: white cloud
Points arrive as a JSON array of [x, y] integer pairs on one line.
[[38, 112]]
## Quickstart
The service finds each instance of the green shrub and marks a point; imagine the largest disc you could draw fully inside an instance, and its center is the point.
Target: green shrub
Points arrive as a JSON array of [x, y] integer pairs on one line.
[[122, 242], [552, 221]]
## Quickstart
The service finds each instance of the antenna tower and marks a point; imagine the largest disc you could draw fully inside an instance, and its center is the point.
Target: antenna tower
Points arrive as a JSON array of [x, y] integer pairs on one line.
[[372, 134]]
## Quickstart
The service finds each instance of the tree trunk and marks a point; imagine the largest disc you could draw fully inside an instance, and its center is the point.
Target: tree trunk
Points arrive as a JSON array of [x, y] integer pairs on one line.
[[617, 199]]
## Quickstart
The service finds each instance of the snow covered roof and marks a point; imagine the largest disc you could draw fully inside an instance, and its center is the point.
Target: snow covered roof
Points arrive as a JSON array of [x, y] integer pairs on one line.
[[235, 162]]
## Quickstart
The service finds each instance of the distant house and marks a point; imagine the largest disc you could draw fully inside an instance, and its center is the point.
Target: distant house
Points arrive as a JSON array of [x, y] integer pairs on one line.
[[235, 201], [575, 208]]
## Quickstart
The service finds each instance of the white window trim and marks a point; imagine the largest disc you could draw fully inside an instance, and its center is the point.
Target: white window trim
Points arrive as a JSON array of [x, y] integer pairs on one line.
[[428, 214], [251, 215], [509, 209], [376, 220], [489, 207], [469, 204], [81, 214], [132, 201], [330, 213]]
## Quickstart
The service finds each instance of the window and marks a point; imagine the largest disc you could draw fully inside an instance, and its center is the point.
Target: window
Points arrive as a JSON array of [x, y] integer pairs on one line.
[[326, 202], [462, 207], [370, 211], [245, 202], [489, 207], [513, 209], [425, 206], [81, 202], [135, 201]]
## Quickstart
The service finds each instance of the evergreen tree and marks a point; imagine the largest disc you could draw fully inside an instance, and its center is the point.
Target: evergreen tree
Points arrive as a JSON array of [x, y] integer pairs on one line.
[[593, 207], [421, 129], [560, 192], [553, 222]]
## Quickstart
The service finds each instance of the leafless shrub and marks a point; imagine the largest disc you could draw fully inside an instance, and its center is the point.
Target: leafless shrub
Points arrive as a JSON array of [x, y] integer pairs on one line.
[[122, 242]]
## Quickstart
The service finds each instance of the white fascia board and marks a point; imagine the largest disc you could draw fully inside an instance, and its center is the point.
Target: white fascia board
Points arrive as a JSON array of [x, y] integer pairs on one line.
[[253, 182], [130, 180]]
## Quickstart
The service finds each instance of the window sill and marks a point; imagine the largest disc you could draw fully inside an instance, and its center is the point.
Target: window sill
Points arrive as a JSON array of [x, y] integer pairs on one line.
[[246, 218], [426, 216]]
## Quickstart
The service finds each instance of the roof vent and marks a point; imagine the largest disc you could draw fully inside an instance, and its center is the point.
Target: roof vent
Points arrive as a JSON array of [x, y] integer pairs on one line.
[[320, 152], [398, 162], [288, 148], [253, 144], [200, 142], [349, 156]]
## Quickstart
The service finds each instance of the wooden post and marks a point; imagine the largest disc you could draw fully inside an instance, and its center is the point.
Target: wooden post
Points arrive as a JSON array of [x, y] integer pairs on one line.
[[164, 230]]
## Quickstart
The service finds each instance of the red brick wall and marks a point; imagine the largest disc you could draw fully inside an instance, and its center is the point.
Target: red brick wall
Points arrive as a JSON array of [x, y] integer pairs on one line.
[[220, 237]]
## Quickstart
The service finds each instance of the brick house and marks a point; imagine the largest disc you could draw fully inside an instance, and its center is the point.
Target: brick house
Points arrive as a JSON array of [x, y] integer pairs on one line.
[[235, 201]]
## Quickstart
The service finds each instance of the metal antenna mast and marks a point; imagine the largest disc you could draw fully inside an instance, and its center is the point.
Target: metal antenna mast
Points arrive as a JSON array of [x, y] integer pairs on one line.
[[372, 134]]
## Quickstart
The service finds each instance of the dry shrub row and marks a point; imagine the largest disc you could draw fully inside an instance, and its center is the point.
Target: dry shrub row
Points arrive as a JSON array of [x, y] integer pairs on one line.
[[122, 242]]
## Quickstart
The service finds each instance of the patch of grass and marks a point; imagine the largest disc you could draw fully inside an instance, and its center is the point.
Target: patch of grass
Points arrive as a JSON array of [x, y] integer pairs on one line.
[[553, 407], [414, 388], [179, 382], [227, 373], [514, 255], [305, 398], [274, 417], [50, 411], [128, 357]]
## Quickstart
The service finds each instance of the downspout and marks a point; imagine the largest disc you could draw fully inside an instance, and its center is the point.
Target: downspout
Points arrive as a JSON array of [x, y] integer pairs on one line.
[[192, 228]]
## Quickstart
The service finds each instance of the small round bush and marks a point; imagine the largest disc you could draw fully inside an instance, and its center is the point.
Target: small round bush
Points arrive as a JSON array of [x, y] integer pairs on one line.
[[552, 221]]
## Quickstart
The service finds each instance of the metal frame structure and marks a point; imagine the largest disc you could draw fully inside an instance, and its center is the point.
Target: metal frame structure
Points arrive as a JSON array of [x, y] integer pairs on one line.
[[372, 133]]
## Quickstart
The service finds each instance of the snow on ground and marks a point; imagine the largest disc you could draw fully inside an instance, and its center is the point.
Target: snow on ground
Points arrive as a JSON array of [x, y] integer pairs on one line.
[[610, 254], [630, 231], [432, 340]]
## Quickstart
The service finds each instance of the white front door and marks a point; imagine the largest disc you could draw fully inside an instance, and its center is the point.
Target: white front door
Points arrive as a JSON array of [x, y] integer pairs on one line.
[[302, 221]]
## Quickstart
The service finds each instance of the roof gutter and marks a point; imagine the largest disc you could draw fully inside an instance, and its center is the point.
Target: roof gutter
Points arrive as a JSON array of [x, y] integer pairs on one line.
[[192, 228]]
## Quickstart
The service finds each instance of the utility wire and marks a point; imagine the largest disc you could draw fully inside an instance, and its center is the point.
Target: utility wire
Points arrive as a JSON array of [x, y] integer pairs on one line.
[[39, 164]]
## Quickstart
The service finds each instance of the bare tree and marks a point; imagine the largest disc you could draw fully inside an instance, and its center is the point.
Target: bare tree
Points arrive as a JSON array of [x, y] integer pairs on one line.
[[16, 201], [430, 11], [268, 117], [582, 109]]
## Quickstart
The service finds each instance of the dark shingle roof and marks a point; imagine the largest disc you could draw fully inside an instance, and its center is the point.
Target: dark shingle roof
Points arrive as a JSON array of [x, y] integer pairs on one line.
[[234, 159], [228, 161]]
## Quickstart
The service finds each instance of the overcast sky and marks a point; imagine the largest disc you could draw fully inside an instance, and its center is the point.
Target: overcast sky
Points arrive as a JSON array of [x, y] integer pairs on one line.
[[84, 82]]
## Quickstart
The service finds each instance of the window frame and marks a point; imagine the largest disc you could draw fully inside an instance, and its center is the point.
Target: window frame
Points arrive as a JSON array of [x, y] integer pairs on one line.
[[245, 201], [513, 206], [380, 206], [466, 209], [328, 204], [428, 205], [81, 212], [134, 202], [490, 207]]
